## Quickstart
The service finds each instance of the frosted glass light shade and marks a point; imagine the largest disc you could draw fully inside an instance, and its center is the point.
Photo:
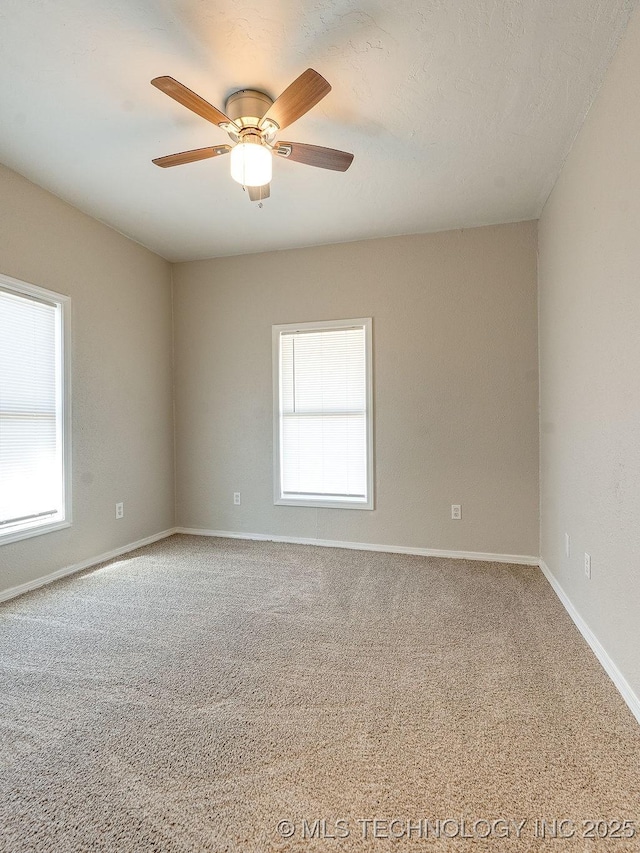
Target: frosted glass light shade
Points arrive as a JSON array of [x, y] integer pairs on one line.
[[251, 164]]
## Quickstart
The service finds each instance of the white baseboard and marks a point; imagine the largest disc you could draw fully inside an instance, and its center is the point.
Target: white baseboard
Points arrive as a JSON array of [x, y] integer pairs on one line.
[[519, 559], [597, 648], [13, 591]]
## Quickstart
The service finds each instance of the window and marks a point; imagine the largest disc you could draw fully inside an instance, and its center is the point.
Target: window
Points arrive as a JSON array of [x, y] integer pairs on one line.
[[323, 427], [34, 429]]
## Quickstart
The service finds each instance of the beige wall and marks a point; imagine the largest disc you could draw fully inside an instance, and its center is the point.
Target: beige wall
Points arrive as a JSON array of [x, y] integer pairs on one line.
[[455, 384], [589, 262], [121, 375]]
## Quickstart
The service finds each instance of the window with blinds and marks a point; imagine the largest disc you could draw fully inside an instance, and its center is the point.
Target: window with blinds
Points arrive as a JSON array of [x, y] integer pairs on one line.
[[32, 423], [322, 414]]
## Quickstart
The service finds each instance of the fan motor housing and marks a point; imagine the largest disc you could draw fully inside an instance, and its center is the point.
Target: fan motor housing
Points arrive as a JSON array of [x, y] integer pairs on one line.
[[247, 107]]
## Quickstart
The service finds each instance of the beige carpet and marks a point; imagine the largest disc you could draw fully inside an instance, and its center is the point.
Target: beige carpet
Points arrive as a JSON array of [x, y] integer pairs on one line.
[[194, 694]]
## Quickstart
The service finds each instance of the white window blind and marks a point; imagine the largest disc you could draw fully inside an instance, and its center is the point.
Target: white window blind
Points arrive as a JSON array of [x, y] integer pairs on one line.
[[31, 411], [324, 411]]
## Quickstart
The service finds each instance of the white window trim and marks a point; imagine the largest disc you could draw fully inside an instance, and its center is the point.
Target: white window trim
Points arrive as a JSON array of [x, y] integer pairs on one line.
[[278, 500], [35, 528]]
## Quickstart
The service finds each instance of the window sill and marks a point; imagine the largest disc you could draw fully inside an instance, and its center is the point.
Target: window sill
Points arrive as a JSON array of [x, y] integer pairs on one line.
[[326, 503], [28, 532]]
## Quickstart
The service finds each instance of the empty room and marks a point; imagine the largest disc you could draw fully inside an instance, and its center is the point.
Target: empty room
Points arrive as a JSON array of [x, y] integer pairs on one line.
[[319, 426]]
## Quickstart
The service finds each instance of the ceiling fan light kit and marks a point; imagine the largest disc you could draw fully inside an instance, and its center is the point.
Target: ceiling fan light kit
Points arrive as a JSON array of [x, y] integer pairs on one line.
[[251, 162], [252, 120]]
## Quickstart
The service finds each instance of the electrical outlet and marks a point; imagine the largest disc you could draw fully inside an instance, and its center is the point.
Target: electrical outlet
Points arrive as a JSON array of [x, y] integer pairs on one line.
[[587, 566], [120, 510], [236, 498], [456, 512], [567, 545]]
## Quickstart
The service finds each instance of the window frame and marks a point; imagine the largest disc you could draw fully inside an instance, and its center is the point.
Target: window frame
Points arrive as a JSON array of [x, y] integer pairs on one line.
[[321, 325], [36, 527]]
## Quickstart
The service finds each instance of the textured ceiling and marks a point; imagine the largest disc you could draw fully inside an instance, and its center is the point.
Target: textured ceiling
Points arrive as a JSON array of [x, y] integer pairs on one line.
[[459, 112]]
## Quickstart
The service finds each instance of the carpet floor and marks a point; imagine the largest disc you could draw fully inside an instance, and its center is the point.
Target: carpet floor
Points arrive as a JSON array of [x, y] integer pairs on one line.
[[205, 695]]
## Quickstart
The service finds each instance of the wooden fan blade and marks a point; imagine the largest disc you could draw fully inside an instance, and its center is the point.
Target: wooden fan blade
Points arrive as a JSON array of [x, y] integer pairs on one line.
[[297, 99], [191, 101], [191, 156], [259, 193], [315, 155]]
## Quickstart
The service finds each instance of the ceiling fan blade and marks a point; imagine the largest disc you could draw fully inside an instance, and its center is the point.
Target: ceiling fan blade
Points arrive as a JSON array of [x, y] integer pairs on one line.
[[191, 156], [191, 101], [315, 155], [259, 193], [297, 99]]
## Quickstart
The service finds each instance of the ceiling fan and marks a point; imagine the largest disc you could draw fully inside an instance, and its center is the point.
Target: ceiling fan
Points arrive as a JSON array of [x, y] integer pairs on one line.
[[253, 121]]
